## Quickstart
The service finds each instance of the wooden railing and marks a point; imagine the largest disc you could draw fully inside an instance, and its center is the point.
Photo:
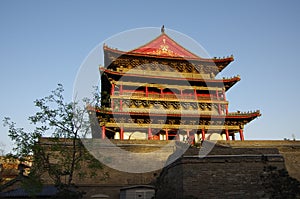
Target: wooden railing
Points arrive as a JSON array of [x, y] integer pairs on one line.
[[167, 73], [168, 96]]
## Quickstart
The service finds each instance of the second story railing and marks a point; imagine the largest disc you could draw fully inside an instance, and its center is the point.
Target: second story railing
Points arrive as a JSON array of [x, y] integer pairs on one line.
[[169, 96]]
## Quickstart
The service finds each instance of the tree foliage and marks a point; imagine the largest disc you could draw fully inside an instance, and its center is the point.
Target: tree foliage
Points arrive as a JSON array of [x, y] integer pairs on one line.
[[62, 155]]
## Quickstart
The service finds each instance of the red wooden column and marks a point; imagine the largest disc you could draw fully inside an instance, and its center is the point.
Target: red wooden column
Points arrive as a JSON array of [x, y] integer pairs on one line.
[[112, 89], [219, 105], [161, 92], [121, 101], [224, 94], [242, 134], [190, 137], [226, 106], [203, 134], [121, 104], [112, 104], [188, 133], [167, 134], [103, 132], [121, 133], [121, 89], [112, 94], [146, 90], [227, 134], [195, 93], [149, 133]]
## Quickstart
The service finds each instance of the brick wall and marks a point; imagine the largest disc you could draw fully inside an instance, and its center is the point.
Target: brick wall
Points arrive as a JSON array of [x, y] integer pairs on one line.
[[224, 173], [231, 170]]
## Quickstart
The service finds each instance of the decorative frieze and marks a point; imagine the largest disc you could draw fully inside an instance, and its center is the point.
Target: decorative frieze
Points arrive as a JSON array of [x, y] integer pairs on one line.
[[164, 105], [161, 65]]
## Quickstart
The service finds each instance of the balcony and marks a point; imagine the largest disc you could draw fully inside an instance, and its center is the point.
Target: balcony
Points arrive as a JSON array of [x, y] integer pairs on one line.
[[168, 96]]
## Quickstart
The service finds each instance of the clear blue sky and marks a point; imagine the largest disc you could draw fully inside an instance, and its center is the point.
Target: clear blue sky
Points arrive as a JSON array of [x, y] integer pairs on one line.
[[43, 43]]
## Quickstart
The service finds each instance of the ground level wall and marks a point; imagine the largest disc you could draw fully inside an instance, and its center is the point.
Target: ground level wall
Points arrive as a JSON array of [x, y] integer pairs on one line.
[[233, 169], [289, 149]]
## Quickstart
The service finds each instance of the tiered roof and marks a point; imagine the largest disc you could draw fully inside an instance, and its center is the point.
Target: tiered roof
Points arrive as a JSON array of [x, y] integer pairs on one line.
[[139, 67], [164, 47]]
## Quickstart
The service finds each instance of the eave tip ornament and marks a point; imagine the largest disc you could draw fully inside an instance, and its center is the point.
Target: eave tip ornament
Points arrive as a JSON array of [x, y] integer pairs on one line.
[[162, 29]]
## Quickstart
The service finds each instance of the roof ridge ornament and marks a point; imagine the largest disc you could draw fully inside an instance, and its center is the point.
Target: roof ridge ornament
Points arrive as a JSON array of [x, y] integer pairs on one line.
[[162, 29]]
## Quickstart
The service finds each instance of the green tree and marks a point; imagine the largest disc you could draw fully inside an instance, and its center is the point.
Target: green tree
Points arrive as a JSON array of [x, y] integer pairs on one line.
[[62, 155]]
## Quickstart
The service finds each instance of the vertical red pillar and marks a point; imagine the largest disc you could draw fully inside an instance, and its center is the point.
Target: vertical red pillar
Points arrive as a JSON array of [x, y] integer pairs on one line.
[[227, 134], [112, 104], [203, 134], [161, 92], [181, 94], [146, 90], [188, 133], [167, 134], [149, 133], [121, 104], [112, 89], [121, 133], [192, 139], [195, 93], [188, 136], [219, 105], [103, 132], [242, 134], [121, 101], [112, 94], [224, 94], [226, 106]]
